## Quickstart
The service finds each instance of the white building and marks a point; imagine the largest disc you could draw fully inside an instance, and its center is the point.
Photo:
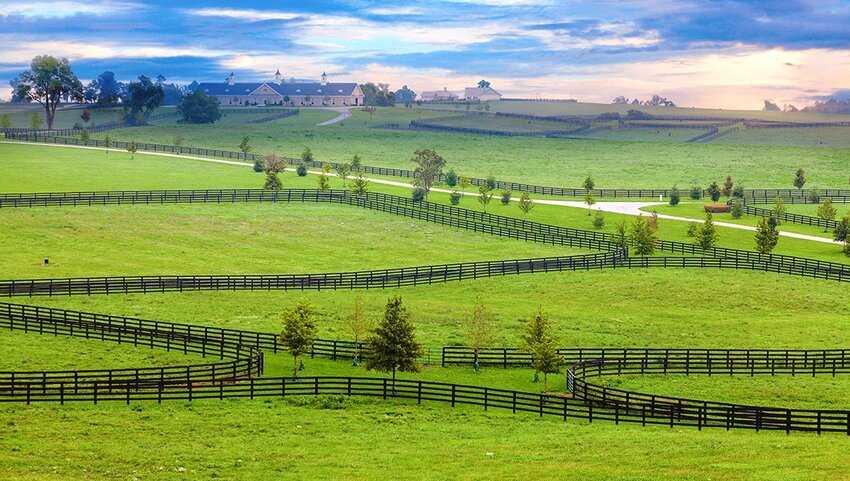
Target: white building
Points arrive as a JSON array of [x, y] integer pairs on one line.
[[485, 94]]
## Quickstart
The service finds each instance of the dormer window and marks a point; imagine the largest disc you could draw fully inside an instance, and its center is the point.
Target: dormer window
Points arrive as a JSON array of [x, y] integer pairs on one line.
[[319, 90], [298, 91]]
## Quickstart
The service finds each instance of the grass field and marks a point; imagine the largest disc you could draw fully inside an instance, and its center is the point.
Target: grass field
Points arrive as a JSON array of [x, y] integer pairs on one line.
[[324, 438], [503, 124]]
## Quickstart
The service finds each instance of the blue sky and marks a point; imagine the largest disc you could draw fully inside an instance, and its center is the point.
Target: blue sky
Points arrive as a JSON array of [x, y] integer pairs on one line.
[[720, 53]]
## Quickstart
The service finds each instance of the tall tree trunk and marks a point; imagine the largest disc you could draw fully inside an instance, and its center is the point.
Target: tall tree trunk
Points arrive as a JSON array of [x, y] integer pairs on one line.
[[545, 381], [294, 366]]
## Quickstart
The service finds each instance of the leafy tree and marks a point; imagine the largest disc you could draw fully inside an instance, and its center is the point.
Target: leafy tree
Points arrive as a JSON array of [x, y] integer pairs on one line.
[[598, 220], [454, 197], [273, 163], [766, 236], [405, 96], [538, 340], [417, 194], [429, 168], [299, 331], [451, 178], [273, 182], [324, 182], [178, 140], [842, 233], [245, 145], [343, 171], [35, 121], [355, 163], [107, 142], [727, 187], [525, 204], [737, 208], [652, 222], [360, 185], [483, 84], [621, 236], [6, 121], [738, 191], [589, 200], [464, 182], [770, 106], [642, 237], [588, 182], [505, 197], [490, 182], [693, 227], [814, 195], [827, 212], [706, 235], [307, 156], [393, 345], [132, 148], [199, 108], [85, 137], [48, 81], [108, 89], [357, 324], [713, 191], [800, 179], [675, 196], [485, 195], [480, 329], [377, 95], [142, 97], [696, 192], [779, 209], [301, 170], [85, 116]]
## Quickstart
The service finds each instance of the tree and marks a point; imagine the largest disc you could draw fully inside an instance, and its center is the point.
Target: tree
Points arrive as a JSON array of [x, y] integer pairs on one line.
[[525, 204], [770, 106], [357, 324], [107, 142], [299, 331], [393, 345], [706, 235], [324, 183], [598, 220], [451, 178], [405, 96], [85, 137], [642, 237], [307, 156], [360, 185], [6, 121], [454, 197], [675, 197], [464, 182], [621, 236], [108, 89], [272, 162], [342, 171], [588, 182], [273, 182], [620, 100], [480, 326], [245, 145], [737, 208], [178, 140], [738, 191], [301, 170], [429, 168], [538, 340], [355, 163], [377, 95], [483, 84], [85, 116], [800, 179], [827, 212], [48, 81], [417, 194], [505, 197], [589, 200], [199, 108], [485, 195], [713, 191], [814, 196], [842, 233], [141, 98], [132, 148], [35, 121], [766, 235], [696, 192], [490, 182], [727, 187], [779, 209]]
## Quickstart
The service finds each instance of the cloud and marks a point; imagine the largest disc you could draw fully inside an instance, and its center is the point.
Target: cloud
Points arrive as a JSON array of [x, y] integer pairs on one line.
[[246, 15], [63, 9]]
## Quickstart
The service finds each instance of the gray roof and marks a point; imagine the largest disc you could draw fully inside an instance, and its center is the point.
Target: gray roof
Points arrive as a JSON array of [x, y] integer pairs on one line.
[[222, 89]]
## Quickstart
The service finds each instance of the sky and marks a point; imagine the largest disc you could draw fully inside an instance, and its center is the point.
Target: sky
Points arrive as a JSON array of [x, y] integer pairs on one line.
[[705, 53]]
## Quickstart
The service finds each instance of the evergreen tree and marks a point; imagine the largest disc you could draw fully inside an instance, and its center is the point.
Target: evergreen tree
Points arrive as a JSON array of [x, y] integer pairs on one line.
[[827, 212], [766, 236], [713, 191], [451, 178], [588, 182], [800, 179], [675, 196], [525, 204], [301, 170], [642, 237], [393, 345], [491, 183], [696, 192], [505, 197], [598, 220], [737, 208], [245, 145], [299, 331], [727, 187], [706, 235], [273, 182]]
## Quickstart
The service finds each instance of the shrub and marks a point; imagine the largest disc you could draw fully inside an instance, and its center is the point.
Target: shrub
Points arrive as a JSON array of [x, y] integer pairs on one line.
[[737, 208], [491, 183], [675, 197], [451, 178], [417, 194], [258, 166], [718, 208], [505, 197], [598, 220], [301, 170], [696, 192], [738, 191], [454, 198]]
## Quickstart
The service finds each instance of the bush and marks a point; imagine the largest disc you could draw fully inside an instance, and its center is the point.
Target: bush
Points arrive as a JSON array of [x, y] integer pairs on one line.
[[451, 178], [675, 197], [718, 208], [637, 115], [738, 191], [696, 192], [301, 170], [598, 220], [505, 198], [491, 183], [258, 166], [417, 194], [737, 209], [454, 198]]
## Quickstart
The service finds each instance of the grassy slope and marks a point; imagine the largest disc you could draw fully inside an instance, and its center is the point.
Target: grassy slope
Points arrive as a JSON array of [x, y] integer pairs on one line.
[[557, 162], [688, 308]]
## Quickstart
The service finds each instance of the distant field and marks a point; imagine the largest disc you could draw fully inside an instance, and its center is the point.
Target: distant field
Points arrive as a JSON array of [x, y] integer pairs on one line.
[[644, 134], [806, 136], [504, 124]]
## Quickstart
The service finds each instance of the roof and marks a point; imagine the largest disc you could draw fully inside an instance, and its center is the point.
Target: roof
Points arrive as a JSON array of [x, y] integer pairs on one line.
[[478, 91], [437, 93], [222, 89]]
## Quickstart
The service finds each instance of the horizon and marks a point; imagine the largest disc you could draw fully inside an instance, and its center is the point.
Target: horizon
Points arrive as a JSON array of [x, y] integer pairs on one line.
[[729, 54]]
